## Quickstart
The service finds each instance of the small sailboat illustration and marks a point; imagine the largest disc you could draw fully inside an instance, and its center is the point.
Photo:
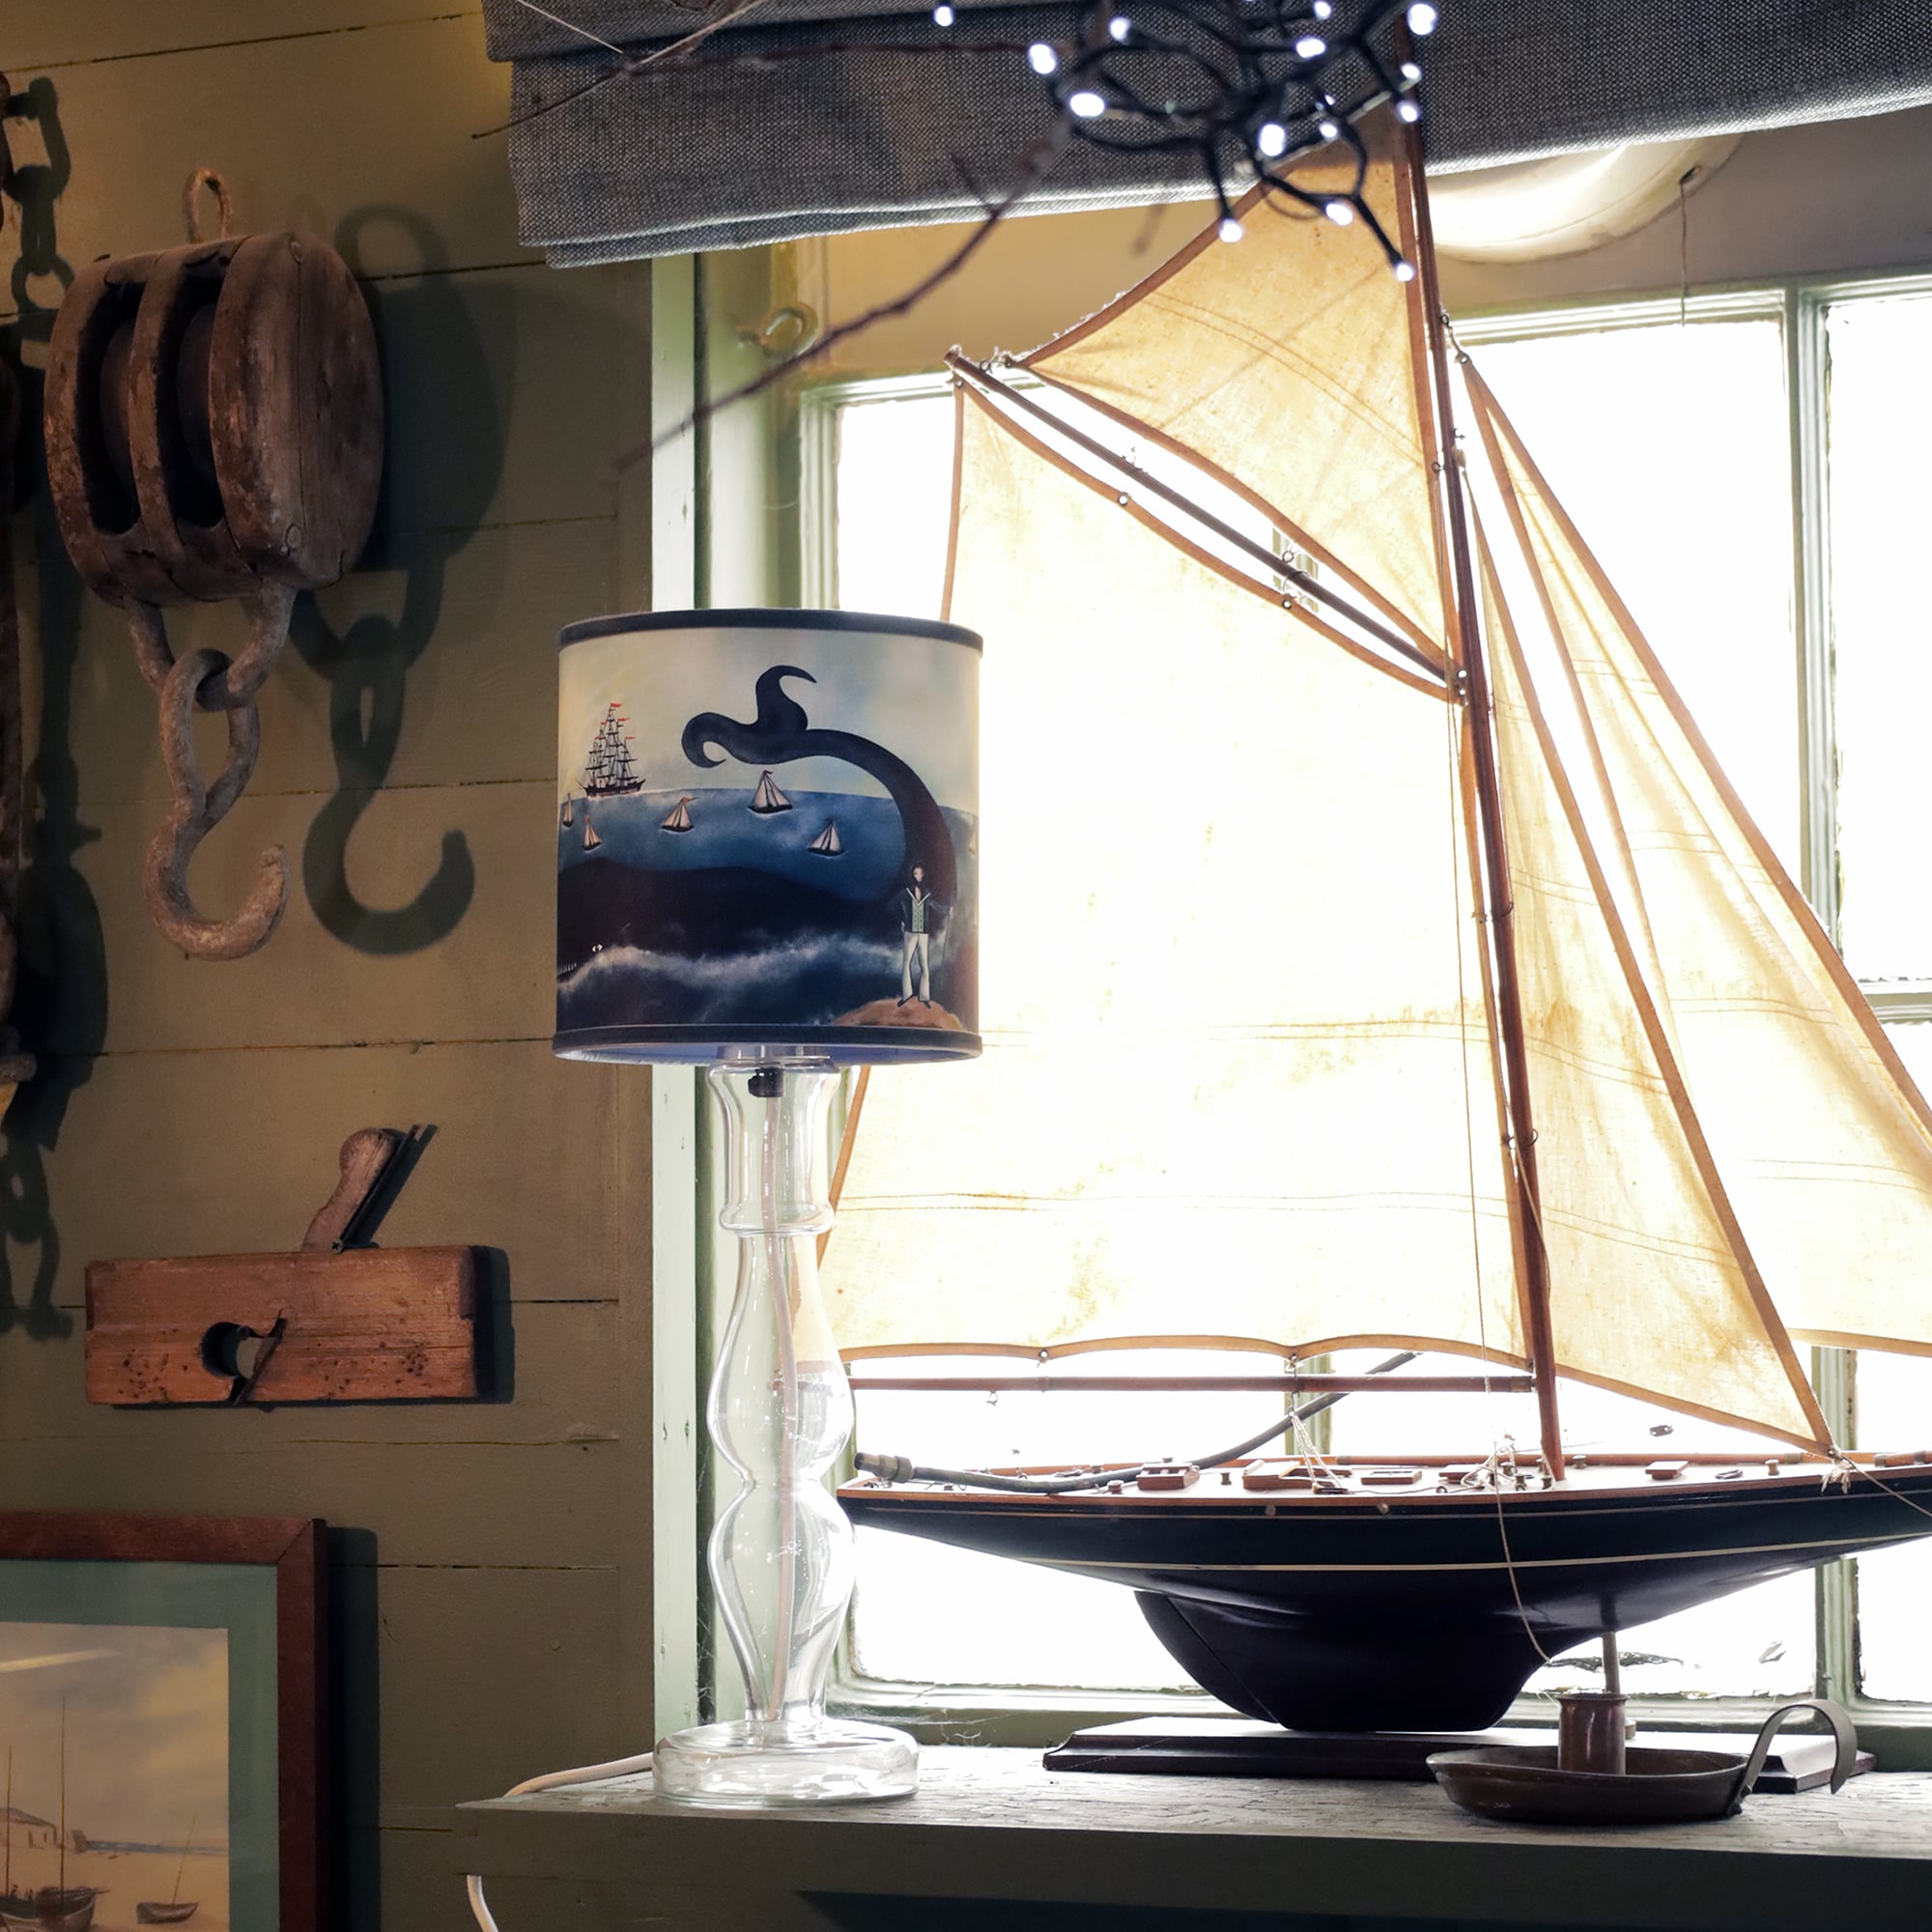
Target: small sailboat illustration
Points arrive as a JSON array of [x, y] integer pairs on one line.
[[591, 842], [768, 797], [827, 845], [678, 818], [569, 812], [175, 1910]]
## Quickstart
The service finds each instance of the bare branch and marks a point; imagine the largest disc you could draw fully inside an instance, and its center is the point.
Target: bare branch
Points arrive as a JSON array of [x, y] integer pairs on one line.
[[1036, 164]]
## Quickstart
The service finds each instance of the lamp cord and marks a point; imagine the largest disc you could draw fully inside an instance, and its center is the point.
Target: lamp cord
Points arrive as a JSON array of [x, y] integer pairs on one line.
[[550, 1780]]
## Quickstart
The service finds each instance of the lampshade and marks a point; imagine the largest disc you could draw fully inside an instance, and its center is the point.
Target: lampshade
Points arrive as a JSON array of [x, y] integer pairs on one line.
[[767, 836]]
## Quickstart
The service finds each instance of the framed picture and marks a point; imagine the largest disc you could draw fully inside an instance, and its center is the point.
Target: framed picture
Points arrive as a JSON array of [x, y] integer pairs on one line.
[[160, 1724]]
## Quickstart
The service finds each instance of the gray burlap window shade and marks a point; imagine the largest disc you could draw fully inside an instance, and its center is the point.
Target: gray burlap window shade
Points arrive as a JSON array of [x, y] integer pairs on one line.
[[820, 116]]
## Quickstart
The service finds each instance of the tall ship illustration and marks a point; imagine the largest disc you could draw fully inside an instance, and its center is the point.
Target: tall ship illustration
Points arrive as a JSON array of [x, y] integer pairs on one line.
[[611, 771], [1560, 1074]]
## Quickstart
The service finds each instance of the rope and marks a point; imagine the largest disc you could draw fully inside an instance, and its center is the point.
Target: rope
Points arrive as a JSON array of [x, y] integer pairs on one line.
[[1843, 1468]]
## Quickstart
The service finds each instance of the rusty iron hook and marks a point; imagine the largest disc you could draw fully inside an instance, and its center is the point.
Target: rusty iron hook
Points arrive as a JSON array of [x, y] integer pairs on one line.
[[241, 677], [210, 681], [224, 203]]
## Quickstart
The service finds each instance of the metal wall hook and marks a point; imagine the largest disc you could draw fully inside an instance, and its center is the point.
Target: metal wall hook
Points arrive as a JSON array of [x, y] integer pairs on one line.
[[198, 807], [788, 329]]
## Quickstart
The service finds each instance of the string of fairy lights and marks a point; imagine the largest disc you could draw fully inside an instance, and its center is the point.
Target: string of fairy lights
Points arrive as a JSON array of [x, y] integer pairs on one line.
[[1250, 87]]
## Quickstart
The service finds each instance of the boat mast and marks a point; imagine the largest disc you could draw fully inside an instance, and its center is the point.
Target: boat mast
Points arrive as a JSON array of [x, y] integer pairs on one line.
[[1495, 861], [174, 1897]]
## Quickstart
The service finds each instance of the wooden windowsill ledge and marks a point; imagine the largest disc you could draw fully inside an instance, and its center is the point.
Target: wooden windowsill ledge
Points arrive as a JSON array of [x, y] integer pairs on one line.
[[993, 1824]]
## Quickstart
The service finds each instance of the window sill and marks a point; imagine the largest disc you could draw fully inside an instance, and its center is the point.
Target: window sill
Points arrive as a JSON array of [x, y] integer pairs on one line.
[[993, 1824]]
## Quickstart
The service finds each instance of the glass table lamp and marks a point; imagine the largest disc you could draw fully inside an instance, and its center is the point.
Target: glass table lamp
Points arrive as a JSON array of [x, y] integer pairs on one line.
[[767, 864]]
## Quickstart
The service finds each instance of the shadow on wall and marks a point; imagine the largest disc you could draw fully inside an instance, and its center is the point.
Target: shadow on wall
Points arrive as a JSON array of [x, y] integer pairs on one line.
[[63, 989], [429, 345]]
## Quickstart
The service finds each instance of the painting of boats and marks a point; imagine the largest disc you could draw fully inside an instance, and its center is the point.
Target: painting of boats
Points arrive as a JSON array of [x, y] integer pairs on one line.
[[117, 1740]]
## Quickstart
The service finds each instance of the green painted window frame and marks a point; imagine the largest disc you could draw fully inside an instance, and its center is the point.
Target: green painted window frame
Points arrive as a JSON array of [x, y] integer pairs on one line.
[[787, 459]]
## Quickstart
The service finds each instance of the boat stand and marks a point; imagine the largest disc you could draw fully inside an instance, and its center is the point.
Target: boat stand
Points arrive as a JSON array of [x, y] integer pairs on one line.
[[1248, 1748]]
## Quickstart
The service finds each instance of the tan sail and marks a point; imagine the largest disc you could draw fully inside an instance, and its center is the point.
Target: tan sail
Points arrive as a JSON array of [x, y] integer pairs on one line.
[[1176, 1125], [1652, 1290], [1290, 364], [1819, 1134]]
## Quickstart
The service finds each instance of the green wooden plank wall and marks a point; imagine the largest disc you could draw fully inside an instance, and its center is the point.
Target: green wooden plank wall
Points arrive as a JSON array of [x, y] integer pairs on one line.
[[486, 1626]]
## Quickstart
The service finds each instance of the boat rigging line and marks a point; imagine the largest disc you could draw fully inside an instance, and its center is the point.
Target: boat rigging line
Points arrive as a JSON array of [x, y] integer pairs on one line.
[[900, 1470]]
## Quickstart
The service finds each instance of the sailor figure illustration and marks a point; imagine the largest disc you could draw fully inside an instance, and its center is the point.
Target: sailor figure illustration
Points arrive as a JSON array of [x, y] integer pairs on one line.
[[919, 913]]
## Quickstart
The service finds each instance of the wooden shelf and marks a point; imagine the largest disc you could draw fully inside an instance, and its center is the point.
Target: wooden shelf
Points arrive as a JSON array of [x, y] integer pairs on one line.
[[992, 1825]]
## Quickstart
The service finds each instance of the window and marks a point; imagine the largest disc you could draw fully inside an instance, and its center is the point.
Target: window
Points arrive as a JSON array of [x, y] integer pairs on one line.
[[1679, 437]]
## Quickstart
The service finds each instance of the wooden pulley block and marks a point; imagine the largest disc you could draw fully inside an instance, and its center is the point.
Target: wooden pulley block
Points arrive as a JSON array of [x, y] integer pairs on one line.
[[213, 430], [215, 419]]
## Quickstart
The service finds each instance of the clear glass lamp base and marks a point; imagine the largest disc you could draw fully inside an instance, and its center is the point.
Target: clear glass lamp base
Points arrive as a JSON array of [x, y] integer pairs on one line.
[[780, 1552], [799, 1760]]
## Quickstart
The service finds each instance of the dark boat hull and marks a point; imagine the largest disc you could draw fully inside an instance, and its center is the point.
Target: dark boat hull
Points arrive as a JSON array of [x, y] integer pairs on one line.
[[64, 1910], [1400, 1611]]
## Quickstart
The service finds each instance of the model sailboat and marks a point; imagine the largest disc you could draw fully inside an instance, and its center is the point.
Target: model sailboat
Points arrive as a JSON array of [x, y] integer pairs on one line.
[[1550, 1067]]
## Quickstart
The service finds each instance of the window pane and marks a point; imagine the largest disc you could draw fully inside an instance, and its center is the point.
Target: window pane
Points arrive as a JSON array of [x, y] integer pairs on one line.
[[1669, 447], [1881, 422], [1895, 1413], [894, 503]]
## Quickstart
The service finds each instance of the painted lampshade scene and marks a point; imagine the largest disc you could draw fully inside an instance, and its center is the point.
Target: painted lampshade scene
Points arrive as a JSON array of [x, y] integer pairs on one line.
[[114, 1752], [767, 830]]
